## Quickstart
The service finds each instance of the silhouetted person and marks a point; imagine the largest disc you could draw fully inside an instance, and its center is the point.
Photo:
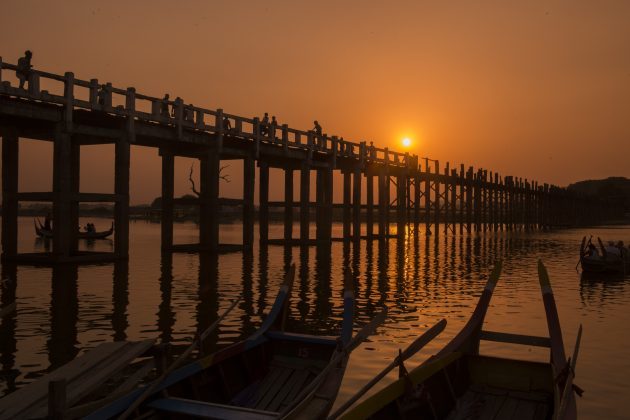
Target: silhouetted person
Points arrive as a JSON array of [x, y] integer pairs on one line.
[[317, 128], [164, 106], [264, 125], [227, 125], [48, 222], [371, 150], [24, 68], [102, 95], [178, 101]]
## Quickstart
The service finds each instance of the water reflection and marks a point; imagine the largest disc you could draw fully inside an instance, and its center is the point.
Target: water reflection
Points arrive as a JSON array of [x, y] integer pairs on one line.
[[120, 300], [8, 342], [166, 315], [208, 299], [64, 314]]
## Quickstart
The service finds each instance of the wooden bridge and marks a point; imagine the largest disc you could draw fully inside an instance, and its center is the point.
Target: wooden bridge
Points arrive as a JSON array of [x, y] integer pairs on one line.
[[72, 112]]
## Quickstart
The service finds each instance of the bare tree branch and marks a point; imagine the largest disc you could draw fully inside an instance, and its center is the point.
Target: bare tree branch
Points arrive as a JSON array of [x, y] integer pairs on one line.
[[192, 182], [224, 177]]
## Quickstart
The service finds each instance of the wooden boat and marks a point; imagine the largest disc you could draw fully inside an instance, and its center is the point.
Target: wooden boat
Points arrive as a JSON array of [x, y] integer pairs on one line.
[[612, 259], [460, 383], [42, 232], [259, 378]]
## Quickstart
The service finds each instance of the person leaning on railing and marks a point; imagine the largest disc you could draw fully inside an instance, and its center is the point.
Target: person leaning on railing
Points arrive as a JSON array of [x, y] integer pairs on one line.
[[24, 68]]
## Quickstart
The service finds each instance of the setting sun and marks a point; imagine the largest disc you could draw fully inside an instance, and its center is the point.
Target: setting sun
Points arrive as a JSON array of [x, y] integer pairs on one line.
[[406, 142]]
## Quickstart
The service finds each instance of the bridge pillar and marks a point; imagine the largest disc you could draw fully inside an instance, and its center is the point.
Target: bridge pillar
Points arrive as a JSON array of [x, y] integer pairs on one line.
[[64, 161], [209, 201], [121, 206], [347, 198], [288, 205], [369, 213], [263, 198], [168, 187], [328, 198], [324, 204], [249, 182], [10, 147], [356, 205], [305, 183], [401, 204], [383, 204]]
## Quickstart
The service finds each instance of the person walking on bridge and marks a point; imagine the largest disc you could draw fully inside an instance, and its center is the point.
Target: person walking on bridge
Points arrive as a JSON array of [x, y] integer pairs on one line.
[[24, 68]]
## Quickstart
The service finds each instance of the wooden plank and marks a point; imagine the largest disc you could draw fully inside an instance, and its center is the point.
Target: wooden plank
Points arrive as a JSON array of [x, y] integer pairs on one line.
[[301, 379], [7, 309], [209, 410], [274, 389], [508, 409], [83, 376], [526, 340], [525, 410], [293, 383], [264, 386], [492, 405]]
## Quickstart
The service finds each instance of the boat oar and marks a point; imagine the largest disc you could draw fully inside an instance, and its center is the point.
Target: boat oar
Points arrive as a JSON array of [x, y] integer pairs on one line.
[[149, 390], [568, 384], [412, 349], [581, 252], [361, 336]]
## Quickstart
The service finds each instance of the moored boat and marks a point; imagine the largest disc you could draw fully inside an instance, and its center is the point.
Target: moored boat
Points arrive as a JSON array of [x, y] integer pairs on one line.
[[460, 383], [42, 232], [271, 374]]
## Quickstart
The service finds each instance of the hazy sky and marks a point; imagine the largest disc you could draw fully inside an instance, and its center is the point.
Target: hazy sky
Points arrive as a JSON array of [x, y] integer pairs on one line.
[[533, 89]]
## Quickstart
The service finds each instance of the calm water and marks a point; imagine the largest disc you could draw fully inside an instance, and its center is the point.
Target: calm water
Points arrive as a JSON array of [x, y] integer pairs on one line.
[[63, 311]]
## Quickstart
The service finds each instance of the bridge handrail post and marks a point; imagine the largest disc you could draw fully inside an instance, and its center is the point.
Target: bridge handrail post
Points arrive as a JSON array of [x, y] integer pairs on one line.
[[130, 107], [93, 92], [0, 70], [362, 153], [256, 129], [219, 128], [334, 144], [272, 132], [199, 118], [179, 117], [33, 83], [68, 93], [309, 145], [285, 137]]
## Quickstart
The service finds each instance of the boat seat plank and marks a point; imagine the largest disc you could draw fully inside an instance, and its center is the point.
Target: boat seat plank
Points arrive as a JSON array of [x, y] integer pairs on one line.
[[204, 409], [264, 386], [293, 384], [275, 388], [301, 380], [526, 340], [83, 375]]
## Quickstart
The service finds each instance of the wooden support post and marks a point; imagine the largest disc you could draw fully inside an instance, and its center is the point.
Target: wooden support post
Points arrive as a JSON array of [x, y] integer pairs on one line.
[[369, 215], [427, 197], [263, 209], [62, 189], [401, 201], [454, 179], [288, 204], [10, 159], [320, 205], [436, 187], [383, 204], [470, 181], [121, 189], [446, 195], [305, 185], [56, 399], [209, 201], [168, 187], [416, 201], [249, 184], [462, 198], [328, 199], [347, 181], [356, 205], [75, 177]]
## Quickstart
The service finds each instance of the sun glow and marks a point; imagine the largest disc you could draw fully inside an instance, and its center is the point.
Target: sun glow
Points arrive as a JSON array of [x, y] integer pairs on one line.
[[406, 142]]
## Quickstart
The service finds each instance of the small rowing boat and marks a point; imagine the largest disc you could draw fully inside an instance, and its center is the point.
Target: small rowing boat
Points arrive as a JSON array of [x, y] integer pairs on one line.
[[613, 258], [42, 232], [460, 383], [272, 374]]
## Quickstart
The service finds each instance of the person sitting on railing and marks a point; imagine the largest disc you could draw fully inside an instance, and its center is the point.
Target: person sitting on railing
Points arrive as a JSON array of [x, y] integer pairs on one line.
[[264, 125], [317, 129], [24, 68], [227, 125], [372, 150], [164, 106]]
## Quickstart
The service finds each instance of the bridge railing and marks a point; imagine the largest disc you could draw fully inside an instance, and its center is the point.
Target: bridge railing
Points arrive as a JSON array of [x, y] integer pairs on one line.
[[92, 95]]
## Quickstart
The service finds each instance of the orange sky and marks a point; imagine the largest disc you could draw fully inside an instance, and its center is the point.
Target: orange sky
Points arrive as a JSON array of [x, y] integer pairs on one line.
[[533, 89]]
